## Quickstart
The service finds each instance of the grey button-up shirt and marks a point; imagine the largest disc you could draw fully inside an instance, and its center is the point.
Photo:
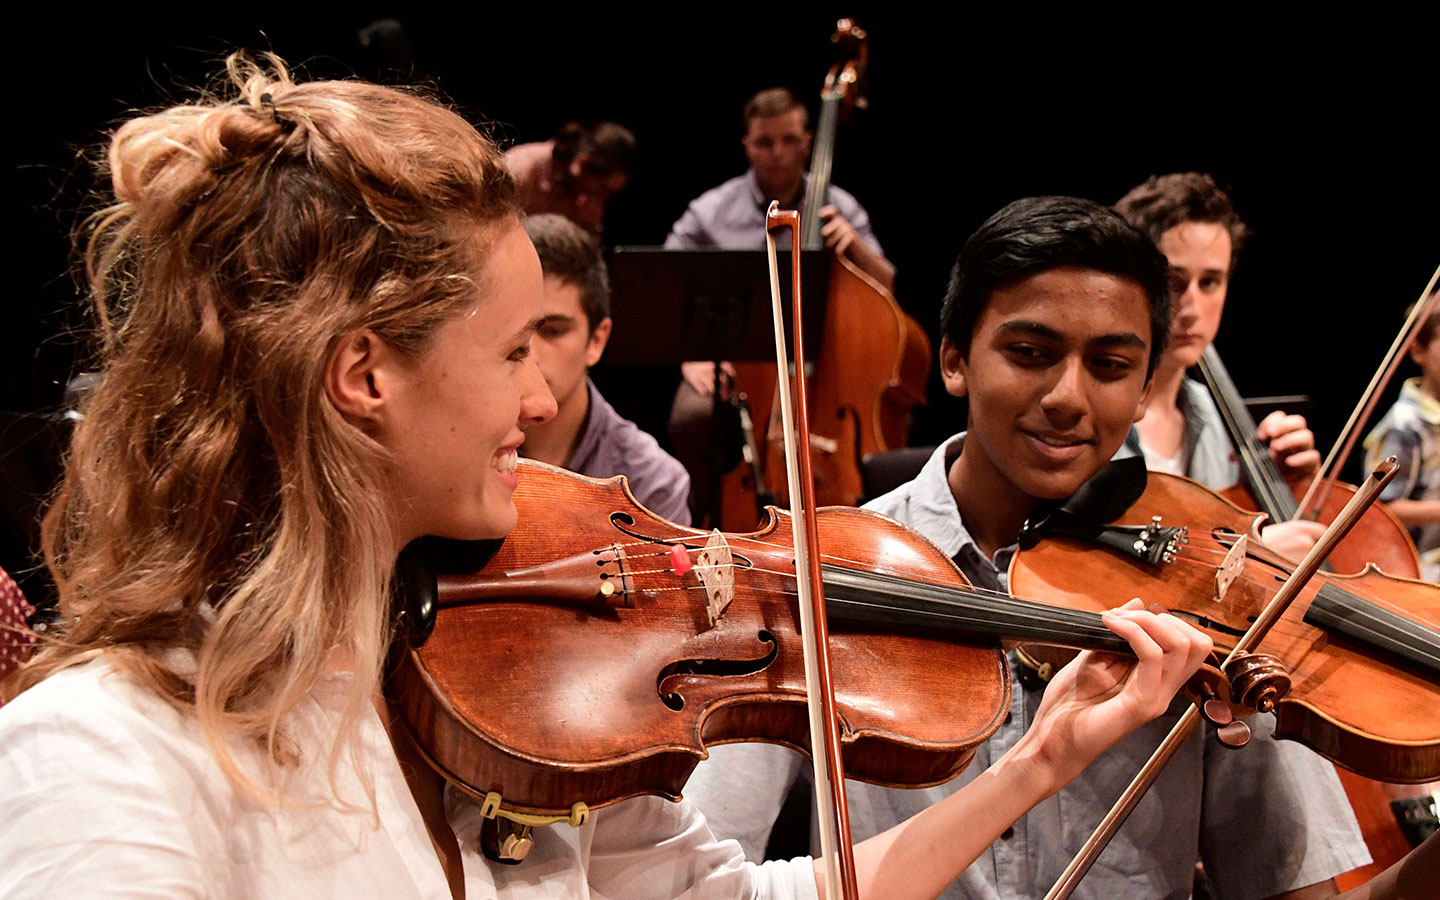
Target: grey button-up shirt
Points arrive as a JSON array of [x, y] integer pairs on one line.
[[1267, 818], [732, 217]]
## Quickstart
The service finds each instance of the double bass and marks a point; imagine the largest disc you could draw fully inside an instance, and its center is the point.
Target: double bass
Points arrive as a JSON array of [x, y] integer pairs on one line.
[[874, 358]]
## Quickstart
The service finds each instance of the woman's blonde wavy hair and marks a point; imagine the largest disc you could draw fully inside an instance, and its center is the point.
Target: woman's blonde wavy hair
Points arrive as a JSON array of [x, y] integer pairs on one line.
[[214, 501]]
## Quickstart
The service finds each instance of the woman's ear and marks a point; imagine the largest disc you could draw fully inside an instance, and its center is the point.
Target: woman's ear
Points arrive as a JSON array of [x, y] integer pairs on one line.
[[353, 379], [952, 368]]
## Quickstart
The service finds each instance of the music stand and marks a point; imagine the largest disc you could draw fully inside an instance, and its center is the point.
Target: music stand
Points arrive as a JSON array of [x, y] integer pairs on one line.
[[679, 305]]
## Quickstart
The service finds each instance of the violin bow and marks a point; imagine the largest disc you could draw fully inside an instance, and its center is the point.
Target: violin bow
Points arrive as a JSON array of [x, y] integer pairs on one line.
[[838, 856], [1323, 484], [1369, 492]]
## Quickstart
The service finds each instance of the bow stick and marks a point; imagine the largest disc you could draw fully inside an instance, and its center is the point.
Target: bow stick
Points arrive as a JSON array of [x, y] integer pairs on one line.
[[1096, 843], [838, 857], [1321, 487]]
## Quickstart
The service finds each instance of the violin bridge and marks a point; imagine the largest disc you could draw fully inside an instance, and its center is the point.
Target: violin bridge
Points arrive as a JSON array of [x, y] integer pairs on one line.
[[1230, 569], [715, 565]]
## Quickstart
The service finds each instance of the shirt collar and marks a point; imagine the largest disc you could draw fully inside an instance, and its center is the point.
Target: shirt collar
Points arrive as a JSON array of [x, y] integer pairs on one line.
[[598, 422], [1428, 407], [757, 196]]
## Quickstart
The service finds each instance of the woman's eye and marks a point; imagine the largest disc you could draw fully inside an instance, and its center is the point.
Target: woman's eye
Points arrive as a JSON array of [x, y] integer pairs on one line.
[[519, 353]]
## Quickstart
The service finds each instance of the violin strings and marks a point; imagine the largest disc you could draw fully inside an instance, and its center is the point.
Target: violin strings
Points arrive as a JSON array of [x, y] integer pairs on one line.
[[1186, 554]]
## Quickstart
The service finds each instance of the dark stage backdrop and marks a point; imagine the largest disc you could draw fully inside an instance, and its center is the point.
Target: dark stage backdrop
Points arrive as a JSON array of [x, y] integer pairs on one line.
[[1323, 131]]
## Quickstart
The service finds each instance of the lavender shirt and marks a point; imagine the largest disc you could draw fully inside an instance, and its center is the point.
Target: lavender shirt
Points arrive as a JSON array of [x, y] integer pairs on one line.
[[732, 217], [614, 445]]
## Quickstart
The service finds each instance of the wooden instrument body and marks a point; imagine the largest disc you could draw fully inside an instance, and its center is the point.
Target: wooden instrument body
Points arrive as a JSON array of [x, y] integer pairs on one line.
[[549, 704], [1378, 539], [1365, 713], [871, 371]]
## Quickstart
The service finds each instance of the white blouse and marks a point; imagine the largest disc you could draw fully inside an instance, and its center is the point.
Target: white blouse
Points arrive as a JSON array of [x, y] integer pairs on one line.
[[107, 791]]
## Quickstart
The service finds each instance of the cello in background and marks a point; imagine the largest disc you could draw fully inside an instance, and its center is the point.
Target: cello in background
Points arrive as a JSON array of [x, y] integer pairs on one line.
[[1393, 818], [1377, 538], [874, 359]]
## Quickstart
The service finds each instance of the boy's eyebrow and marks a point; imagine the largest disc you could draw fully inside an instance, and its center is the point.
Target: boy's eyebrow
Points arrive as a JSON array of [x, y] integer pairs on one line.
[[1119, 339], [1041, 330], [553, 317], [1030, 327]]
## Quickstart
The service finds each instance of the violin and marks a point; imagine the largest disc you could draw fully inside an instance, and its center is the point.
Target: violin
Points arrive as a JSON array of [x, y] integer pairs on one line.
[[1353, 666], [1378, 538], [620, 645]]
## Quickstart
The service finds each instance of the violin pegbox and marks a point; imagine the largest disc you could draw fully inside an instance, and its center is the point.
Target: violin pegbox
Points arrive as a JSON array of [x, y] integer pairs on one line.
[[715, 566]]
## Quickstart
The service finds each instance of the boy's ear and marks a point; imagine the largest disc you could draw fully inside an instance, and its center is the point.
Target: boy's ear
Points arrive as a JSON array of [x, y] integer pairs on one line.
[[953, 368], [1144, 404], [357, 375], [599, 337]]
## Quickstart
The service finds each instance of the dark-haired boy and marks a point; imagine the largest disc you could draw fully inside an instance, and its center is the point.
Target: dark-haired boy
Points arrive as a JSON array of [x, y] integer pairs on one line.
[[1055, 319], [586, 434]]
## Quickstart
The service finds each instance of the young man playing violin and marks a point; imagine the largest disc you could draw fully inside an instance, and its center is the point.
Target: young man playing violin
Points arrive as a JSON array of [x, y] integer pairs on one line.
[[1195, 225], [1053, 327]]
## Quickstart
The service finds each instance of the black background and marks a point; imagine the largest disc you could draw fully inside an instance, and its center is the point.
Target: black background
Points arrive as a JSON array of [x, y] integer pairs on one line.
[[1323, 130]]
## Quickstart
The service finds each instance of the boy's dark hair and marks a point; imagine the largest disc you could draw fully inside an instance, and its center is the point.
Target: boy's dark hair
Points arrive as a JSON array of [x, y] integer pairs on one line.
[[1165, 201], [774, 102], [569, 253], [1038, 234]]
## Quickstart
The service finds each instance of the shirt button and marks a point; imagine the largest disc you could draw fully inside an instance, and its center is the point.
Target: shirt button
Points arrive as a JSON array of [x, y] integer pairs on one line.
[[1008, 717], [1007, 834]]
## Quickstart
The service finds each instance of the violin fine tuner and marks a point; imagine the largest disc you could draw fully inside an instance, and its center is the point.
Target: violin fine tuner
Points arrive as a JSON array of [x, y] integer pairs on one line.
[[1168, 540]]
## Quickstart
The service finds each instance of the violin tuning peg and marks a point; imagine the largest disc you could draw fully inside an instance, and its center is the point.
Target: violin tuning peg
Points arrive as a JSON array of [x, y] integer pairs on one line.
[[1235, 735], [1217, 712]]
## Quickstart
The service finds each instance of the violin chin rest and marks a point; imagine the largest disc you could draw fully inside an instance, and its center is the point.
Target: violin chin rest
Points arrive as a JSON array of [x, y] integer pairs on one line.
[[414, 594]]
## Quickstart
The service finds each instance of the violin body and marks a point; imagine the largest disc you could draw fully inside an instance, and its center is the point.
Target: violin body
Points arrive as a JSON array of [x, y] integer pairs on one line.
[[1363, 708], [1378, 539], [549, 704]]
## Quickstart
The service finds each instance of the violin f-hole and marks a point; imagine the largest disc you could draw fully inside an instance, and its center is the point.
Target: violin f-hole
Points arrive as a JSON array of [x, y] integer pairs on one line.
[[715, 668]]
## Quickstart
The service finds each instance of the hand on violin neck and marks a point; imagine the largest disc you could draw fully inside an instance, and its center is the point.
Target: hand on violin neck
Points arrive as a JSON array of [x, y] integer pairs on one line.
[[1099, 698], [1292, 444]]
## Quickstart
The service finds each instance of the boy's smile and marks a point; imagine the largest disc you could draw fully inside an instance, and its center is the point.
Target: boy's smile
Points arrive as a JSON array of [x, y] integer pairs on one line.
[[1055, 375]]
